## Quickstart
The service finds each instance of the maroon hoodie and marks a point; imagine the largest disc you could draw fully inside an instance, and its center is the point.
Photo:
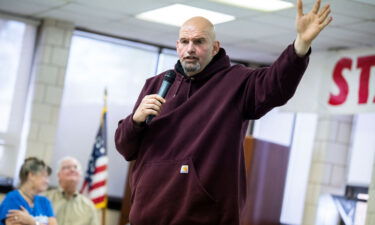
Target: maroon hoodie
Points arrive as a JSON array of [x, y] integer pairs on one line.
[[189, 160]]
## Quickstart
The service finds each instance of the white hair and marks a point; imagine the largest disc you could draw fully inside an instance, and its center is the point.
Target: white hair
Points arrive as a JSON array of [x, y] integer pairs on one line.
[[69, 158]]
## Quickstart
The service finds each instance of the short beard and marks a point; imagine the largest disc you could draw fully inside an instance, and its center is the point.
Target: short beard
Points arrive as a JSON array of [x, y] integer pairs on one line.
[[189, 68]]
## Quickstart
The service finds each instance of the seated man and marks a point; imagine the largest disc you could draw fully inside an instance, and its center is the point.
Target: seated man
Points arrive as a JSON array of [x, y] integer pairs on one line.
[[71, 207]]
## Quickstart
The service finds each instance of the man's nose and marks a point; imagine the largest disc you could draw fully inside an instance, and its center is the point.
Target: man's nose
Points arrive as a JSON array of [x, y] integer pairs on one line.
[[191, 47]]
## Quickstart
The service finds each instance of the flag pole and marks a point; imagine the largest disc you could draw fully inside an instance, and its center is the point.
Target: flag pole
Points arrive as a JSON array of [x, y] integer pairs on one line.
[[96, 173], [103, 215], [105, 97], [104, 209]]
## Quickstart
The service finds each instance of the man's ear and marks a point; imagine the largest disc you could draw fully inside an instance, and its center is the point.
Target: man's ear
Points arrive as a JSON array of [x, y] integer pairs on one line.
[[216, 47]]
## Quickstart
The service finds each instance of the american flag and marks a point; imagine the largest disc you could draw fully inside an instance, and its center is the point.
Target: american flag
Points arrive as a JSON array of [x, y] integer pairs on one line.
[[95, 182]]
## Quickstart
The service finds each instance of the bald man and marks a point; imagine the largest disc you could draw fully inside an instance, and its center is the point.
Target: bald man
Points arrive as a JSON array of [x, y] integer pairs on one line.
[[189, 165]]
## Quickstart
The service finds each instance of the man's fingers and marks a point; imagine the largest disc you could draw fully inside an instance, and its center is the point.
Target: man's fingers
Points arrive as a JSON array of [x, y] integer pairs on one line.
[[299, 8], [326, 22], [148, 109], [151, 111], [155, 96], [152, 106], [323, 10], [316, 7], [160, 99], [324, 16], [153, 101]]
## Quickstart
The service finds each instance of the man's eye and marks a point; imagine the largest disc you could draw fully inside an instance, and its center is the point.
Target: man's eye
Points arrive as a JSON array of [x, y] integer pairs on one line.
[[199, 41]]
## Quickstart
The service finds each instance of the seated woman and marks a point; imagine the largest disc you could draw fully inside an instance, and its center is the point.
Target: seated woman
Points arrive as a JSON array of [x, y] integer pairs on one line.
[[24, 205]]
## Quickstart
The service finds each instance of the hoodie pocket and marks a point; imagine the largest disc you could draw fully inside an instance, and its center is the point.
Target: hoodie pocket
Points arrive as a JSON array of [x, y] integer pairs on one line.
[[170, 192]]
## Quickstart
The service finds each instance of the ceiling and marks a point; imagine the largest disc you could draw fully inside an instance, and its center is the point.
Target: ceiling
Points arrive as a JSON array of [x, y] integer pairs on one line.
[[254, 36]]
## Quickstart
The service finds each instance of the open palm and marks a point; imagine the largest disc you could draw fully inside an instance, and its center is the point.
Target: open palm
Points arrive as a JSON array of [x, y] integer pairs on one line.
[[309, 25]]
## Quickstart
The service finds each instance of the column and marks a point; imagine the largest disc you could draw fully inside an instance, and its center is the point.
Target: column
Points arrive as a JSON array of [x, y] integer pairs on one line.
[[329, 166], [49, 72]]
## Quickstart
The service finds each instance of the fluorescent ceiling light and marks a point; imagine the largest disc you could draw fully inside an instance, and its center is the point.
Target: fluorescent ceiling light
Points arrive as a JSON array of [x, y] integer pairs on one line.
[[177, 14], [260, 5]]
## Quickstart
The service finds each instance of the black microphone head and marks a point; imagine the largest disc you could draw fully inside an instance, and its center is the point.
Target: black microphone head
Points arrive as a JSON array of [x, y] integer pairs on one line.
[[170, 76]]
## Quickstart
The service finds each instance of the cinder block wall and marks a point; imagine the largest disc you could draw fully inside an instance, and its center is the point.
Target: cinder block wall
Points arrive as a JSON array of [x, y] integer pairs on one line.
[[49, 72], [329, 166]]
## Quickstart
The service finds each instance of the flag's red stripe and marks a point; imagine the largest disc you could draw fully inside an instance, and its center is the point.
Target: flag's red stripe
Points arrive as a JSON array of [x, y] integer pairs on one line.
[[99, 199], [98, 185], [100, 169], [83, 187]]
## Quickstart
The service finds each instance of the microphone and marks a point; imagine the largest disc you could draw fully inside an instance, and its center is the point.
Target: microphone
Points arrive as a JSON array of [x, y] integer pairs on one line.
[[168, 80]]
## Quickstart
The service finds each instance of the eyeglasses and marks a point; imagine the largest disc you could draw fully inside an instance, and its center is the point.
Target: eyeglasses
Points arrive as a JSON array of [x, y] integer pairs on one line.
[[69, 167]]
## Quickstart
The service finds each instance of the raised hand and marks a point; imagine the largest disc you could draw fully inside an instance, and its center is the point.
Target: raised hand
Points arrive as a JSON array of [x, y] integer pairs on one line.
[[310, 25]]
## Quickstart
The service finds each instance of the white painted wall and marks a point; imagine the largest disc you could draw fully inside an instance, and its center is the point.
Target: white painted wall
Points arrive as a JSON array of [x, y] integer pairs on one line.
[[275, 126], [298, 168], [363, 150]]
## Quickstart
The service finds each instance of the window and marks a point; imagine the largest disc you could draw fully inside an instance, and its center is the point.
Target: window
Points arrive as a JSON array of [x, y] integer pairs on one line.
[[11, 37], [95, 63], [17, 47], [167, 60]]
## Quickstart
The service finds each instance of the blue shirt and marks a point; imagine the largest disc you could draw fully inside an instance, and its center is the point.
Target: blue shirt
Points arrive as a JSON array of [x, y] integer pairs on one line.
[[41, 211]]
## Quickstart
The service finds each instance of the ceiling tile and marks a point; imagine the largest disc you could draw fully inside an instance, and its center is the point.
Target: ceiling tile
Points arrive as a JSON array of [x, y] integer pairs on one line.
[[266, 47], [353, 8], [127, 7], [344, 33], [276, 20], [228, 38], [249, 29], [25, 7], [223, 8], [139, 24], [146, 35], [280, 40], [90, 11], [326, 43], [367, 27], [239, 53], [78, 19], [292, 12], [339, 20]]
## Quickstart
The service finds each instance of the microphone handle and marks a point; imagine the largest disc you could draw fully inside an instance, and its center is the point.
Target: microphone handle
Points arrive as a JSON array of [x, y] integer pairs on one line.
[[162, 92], [149, 118]]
